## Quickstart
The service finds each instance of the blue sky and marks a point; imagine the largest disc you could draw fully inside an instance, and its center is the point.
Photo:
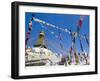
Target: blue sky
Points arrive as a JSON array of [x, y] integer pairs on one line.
[[68, 21]]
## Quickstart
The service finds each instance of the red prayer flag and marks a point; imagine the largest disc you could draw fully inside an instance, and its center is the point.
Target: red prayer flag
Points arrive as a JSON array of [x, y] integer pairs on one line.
[[80, 23]]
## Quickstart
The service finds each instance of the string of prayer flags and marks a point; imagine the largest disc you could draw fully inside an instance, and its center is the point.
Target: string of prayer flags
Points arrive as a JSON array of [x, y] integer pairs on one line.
[[81, 45], [87, 40], [50, 25], [29, 32]]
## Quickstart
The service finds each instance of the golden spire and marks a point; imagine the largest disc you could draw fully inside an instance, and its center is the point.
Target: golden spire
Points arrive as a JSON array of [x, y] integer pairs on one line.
[[40, 41]]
